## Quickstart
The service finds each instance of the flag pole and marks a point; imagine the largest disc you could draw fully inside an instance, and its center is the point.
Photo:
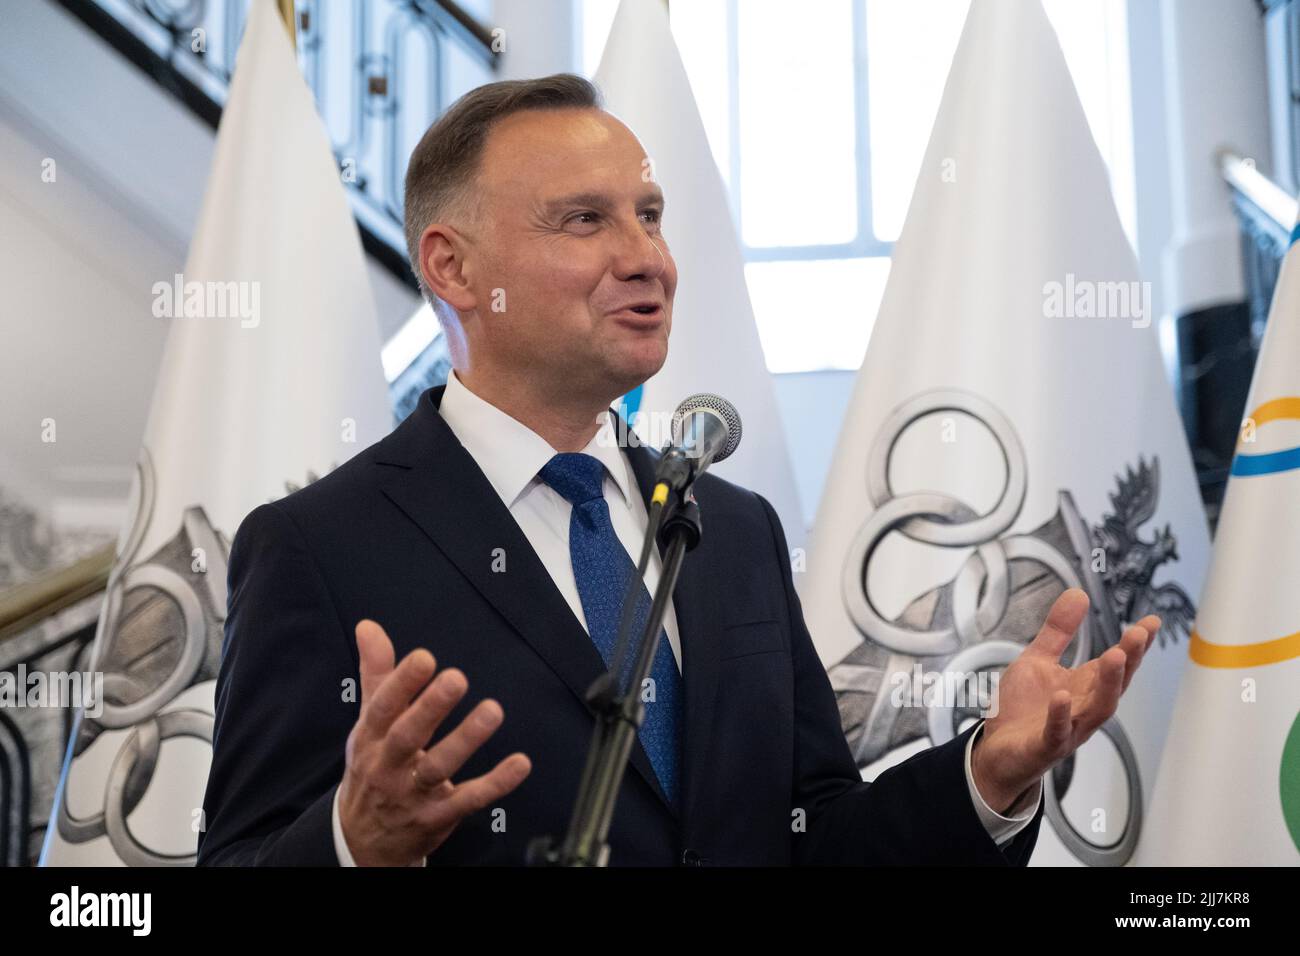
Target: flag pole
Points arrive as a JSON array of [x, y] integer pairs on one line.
[[290, 22]]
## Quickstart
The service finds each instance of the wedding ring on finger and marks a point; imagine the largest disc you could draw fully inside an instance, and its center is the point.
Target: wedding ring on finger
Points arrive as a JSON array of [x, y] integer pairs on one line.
[[420, 782]]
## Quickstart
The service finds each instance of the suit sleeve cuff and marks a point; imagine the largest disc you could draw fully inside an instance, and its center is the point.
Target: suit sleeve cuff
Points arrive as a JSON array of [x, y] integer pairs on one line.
[[1002, 828]]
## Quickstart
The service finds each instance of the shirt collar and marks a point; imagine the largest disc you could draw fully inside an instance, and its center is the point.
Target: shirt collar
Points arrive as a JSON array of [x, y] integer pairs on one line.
[[508, 451]]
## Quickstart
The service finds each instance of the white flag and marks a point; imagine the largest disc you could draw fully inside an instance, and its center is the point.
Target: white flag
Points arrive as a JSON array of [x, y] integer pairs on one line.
[[1229, 786], [715, 345], [270, 378], [1010, 433]]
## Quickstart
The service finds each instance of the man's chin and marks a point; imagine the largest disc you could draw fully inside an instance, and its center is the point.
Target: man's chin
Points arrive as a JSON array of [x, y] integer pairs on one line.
[[637, 368]]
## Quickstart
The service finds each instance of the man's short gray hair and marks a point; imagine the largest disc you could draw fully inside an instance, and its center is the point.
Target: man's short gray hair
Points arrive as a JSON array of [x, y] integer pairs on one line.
[[444, 163]]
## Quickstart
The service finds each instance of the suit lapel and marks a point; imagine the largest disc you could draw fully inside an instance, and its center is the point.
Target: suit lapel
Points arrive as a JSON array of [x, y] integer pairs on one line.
[[436, 483]]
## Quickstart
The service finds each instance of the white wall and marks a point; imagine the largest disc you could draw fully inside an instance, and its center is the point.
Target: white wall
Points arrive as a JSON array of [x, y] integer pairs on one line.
[[1216, 96], [539, 37]]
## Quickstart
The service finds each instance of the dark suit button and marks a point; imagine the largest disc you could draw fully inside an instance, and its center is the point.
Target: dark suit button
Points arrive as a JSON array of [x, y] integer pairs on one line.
[[691, 857]]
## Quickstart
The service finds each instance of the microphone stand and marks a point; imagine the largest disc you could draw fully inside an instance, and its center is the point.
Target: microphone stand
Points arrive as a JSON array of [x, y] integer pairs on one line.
[[619, 709]]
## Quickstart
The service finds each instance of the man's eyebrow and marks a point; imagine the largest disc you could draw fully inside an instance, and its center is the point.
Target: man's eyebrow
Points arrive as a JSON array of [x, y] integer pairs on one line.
[[600, 201]]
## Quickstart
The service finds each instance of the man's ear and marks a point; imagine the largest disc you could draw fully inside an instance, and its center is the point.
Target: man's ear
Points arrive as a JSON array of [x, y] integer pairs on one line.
[[442, 261]]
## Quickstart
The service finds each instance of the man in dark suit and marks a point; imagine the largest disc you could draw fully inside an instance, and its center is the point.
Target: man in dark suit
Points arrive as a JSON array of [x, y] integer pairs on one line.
[[491, 534]]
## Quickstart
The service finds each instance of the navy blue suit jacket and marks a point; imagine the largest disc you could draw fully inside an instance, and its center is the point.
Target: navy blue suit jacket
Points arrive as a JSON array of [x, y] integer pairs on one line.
[[405, 533]]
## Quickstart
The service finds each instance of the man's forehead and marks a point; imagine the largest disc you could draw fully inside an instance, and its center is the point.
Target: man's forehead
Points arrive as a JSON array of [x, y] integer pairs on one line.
[[564, 149]]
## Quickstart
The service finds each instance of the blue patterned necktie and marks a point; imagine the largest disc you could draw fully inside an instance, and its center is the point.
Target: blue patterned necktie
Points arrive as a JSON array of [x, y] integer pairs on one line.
[[602, 567]]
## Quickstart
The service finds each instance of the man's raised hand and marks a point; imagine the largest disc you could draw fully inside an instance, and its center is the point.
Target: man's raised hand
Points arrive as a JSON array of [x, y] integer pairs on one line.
[[1045, 710], [397, 801]]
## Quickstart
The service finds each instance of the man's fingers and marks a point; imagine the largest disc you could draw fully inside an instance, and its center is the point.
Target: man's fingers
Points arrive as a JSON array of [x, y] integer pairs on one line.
[[394, 693], [445, 758], [474, 795], [1062, 621], [412, 730], [1057, 731], [376, 653], [1134, 644], [1104, 698]]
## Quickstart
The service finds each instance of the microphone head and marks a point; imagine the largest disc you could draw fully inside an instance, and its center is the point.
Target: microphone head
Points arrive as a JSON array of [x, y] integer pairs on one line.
[[719, 408]]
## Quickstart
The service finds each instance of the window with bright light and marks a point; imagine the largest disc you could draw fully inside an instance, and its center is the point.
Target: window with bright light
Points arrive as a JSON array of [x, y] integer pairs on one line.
[[837, 97]]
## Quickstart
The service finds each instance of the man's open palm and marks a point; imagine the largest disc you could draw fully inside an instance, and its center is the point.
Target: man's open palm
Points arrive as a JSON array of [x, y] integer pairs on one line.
[[1046, 710]]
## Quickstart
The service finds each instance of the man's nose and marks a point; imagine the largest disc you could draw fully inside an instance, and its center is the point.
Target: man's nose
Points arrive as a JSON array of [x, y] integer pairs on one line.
[[637, 255]]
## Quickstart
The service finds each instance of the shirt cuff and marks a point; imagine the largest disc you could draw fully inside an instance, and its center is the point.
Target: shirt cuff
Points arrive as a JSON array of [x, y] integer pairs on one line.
[[341, 845], [1002, 828]]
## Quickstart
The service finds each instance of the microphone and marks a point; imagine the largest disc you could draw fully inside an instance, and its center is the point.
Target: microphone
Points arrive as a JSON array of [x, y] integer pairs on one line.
[[705, 429]]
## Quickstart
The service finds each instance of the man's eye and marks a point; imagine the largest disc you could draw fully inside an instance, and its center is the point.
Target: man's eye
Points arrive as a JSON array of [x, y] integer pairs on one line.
[[654, 214], [584, 218]]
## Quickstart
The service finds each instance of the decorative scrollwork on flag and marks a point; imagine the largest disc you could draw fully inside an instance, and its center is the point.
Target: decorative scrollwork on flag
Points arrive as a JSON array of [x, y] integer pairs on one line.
[[160, 633], [981, 619]]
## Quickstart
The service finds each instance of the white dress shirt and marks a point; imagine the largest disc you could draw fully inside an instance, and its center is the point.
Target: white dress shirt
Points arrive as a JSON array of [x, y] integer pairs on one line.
[[511, 454]]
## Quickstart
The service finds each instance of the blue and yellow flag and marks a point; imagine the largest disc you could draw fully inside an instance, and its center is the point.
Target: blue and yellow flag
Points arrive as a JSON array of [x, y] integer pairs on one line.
[[1228, 791]]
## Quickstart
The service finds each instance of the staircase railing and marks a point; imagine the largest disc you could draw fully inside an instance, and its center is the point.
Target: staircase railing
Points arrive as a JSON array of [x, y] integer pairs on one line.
[[381, 70]]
